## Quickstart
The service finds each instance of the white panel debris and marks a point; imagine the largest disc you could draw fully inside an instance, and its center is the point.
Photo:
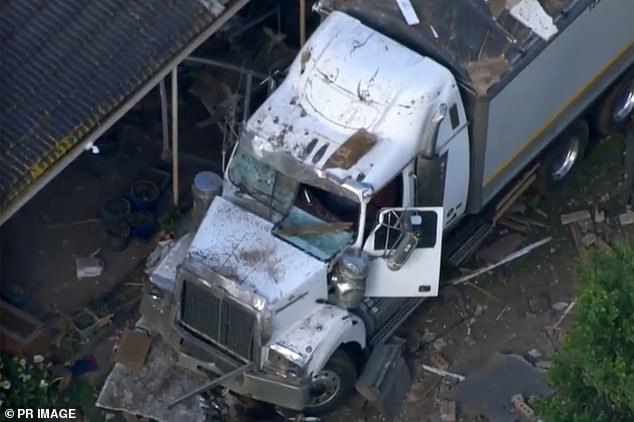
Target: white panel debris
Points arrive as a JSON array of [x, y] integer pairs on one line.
[[531, 14], [408, 12]]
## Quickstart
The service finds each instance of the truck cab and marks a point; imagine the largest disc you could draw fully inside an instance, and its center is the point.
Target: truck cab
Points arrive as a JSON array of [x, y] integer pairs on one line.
[[326, 226]]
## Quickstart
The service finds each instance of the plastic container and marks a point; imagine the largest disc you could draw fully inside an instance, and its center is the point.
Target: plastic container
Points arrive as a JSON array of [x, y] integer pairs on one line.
[[143, 225], [118, 236], [144, 195], [207, 185], [115, 210]]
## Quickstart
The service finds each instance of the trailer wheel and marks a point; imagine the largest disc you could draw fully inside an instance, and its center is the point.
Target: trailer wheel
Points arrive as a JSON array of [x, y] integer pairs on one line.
[[613, 110], [562, 157], [333, 385]]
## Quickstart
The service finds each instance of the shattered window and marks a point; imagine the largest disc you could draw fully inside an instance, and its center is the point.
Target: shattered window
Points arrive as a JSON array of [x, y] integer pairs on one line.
[[264, 184]]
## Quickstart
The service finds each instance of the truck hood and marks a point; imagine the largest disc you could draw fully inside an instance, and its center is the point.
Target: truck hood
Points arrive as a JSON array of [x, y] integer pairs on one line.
[[240, 246]]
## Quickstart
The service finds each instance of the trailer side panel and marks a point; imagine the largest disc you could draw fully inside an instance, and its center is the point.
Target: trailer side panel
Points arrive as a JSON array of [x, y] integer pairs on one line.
[[553, 89]]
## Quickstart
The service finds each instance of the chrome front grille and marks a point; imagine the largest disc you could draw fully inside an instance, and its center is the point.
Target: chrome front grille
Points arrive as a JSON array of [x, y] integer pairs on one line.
[[220, 320]]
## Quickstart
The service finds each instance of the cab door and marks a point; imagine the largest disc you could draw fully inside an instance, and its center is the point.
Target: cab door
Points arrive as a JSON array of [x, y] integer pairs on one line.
[[406, 244]]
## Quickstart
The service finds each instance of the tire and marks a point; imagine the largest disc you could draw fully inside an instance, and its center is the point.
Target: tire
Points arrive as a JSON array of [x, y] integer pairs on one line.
[[342, 366], [563, 156], [605, 122]]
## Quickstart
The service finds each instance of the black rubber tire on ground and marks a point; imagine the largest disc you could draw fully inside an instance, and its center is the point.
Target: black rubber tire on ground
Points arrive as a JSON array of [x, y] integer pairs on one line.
[[603, 122], [342, 364], [578, 132]]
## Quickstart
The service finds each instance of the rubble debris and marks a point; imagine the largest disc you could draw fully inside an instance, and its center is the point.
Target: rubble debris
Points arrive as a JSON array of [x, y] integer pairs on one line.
[[505, 260], [408, 12], [575, 217], [627, 218], [534, 356], [439, 344], [502, 312], [443, 373], [447, 411], [588, 239], [133, 349], [599, 215], [479, 310], [576, 237], [538, 304], [437, 360], [560, 306], [518, 227], [523, 409], [540, 212], [565, 314]]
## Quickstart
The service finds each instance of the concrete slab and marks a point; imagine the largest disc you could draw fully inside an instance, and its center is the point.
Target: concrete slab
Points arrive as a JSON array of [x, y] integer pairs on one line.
[[148, 392], [488, 392]]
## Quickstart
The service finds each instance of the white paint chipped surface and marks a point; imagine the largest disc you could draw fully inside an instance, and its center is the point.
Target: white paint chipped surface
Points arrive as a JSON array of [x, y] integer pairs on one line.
[[347, 77], [317, 333], [239, 245], [164, 275], [531, 14]]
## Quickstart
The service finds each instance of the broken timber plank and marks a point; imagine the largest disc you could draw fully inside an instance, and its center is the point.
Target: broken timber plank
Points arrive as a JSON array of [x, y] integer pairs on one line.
[[526, 221], [627, 218], [576, 237], [575, 217], [513, 225]]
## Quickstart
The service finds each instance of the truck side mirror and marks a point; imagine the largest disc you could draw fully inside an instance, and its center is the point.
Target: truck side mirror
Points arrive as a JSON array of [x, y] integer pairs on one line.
[[397, 235]]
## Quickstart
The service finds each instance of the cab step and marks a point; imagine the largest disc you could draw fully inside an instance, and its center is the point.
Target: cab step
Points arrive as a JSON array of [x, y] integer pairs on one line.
[[466, 241], [395, 320]]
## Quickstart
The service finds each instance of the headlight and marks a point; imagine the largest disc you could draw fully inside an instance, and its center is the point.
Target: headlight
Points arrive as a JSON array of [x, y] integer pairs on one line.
[[284, 362], [155, 300]]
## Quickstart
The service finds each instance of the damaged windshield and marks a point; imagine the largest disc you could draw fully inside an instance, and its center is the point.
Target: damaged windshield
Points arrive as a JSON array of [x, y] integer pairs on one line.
[[316, 221], [264, 184]]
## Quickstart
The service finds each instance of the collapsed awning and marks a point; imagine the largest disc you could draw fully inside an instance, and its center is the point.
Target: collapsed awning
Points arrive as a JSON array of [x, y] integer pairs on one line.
[[69, 69]]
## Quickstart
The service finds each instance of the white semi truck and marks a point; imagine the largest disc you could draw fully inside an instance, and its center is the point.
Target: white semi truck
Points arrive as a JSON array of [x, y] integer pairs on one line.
[[388, 150]]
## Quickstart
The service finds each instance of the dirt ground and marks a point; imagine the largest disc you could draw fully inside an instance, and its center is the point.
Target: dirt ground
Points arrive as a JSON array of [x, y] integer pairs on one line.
[[508, 309]]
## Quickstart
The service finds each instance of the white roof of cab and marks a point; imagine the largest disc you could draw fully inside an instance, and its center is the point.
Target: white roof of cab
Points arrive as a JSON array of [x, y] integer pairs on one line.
[[347, 78]]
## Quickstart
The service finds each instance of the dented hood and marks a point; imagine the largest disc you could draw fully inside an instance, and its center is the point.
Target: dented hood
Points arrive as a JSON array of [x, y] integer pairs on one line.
[[239, 245]]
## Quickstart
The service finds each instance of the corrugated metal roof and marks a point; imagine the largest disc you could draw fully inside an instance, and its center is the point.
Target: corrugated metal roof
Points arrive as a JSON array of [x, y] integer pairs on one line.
[[66, 65]]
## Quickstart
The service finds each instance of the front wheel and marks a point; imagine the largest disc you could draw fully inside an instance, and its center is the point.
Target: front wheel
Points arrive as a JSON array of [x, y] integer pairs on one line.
[[333, 385]]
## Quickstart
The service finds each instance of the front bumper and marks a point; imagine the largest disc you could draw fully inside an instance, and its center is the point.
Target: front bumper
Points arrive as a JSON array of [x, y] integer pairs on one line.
[[201, 356], [258, 385]]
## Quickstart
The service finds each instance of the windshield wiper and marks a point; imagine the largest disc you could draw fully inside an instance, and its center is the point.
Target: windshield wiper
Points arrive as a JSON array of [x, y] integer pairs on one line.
[[314, 229]]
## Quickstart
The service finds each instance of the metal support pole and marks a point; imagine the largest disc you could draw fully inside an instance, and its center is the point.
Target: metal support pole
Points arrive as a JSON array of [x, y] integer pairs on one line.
[[302, 22], [175, 135], [164, 122], [247, 98]]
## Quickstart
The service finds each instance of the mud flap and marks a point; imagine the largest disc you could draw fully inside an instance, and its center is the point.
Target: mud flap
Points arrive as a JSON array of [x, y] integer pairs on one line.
[[386, 379]]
